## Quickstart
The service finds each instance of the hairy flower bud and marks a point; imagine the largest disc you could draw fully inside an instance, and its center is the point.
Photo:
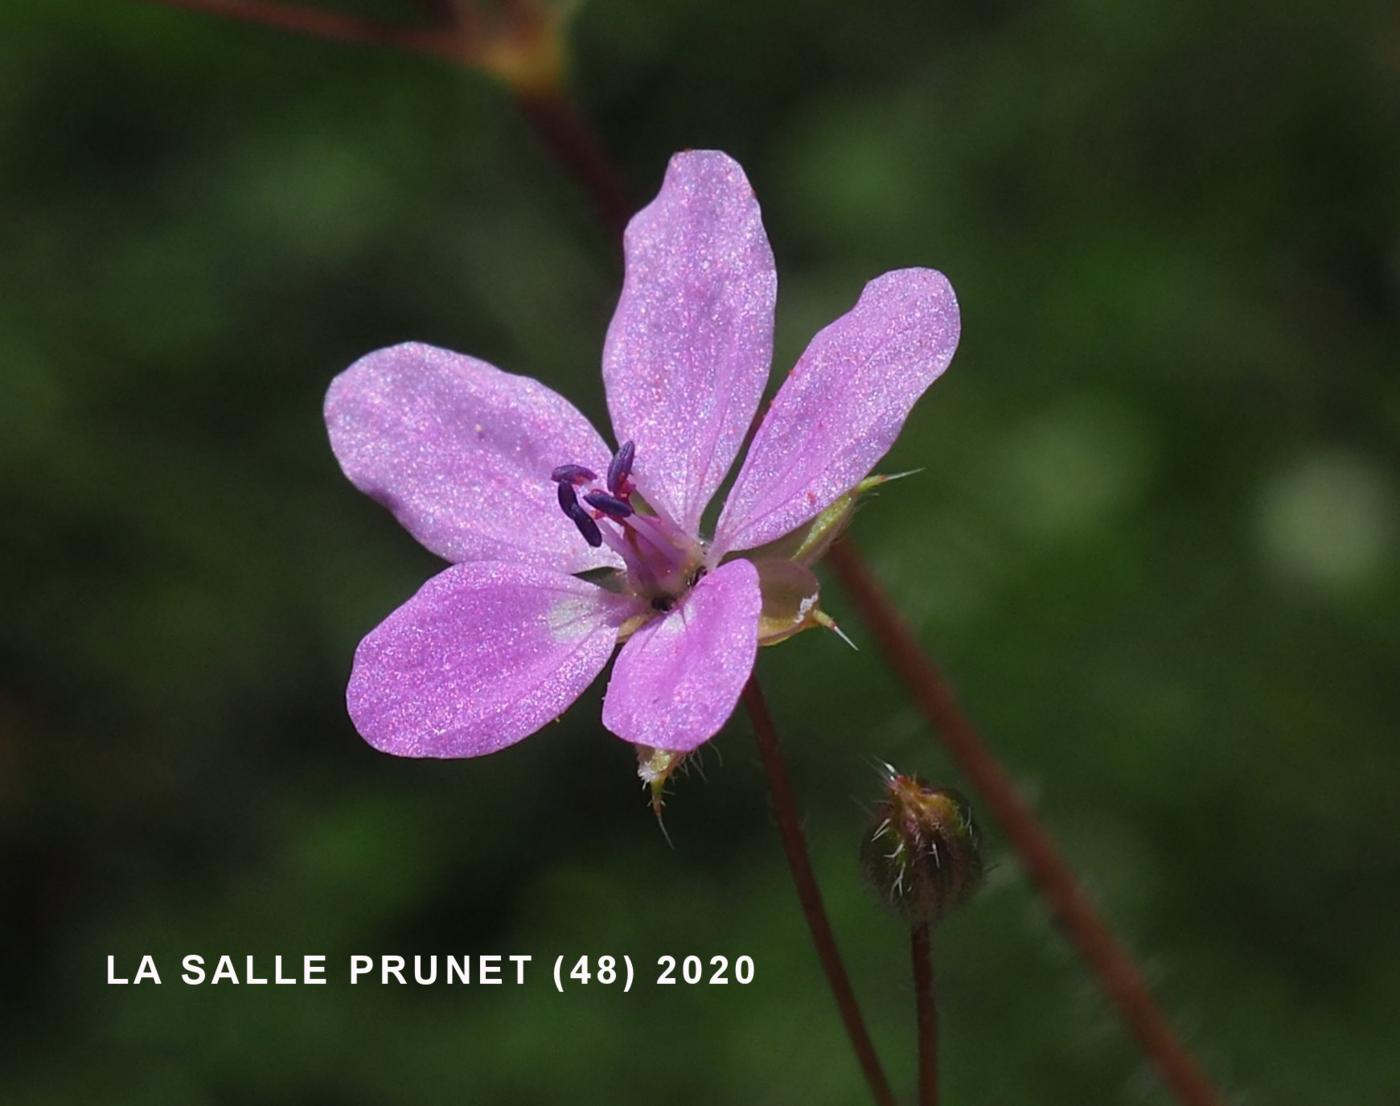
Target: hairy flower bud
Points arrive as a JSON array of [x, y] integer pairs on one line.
[[923, 852]]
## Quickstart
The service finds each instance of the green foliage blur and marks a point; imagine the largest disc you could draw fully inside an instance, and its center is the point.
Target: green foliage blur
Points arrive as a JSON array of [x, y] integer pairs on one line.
[[1154, 542]]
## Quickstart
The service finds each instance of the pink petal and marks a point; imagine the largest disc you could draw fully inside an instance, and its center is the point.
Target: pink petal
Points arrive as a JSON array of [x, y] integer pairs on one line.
[[461, 452], [688, 350], [842, 407], [677, 679], [485, 654]]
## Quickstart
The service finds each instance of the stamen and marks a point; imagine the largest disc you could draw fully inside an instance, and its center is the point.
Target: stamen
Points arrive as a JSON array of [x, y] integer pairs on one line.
[[627, 550], [573, 474], [588, 528], [609, 504], [568, 500], [660, 558], [620, 467], [657, 533]]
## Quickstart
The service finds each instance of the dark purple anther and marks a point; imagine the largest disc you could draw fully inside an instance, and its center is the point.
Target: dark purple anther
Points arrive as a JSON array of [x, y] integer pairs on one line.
[[568, 500], [572, 474], [609, 504], [588, 528], [620, 467]]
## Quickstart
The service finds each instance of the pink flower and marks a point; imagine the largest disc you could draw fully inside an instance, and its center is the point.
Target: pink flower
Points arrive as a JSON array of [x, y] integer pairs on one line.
[[507, 480]]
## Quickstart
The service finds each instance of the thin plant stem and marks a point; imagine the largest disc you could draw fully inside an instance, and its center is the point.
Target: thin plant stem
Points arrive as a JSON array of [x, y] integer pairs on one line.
[[808, 894], [926, 1006], [559, 125], [441, 12], [439, 41], [547, 107], [1046, 866]]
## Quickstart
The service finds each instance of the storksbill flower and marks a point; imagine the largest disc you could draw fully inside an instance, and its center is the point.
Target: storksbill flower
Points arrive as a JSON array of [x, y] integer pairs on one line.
[[561, 547]]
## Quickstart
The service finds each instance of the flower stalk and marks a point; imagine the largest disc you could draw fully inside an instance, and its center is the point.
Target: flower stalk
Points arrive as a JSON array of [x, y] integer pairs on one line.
[[556, 121], [527, 54], [926, 1008], [1049, 872], [808, 893], [924, 859], [440, 41]]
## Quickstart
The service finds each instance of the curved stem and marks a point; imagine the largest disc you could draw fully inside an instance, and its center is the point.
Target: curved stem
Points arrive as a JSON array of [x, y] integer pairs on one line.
[[926, 1006], [1046, 866], [808, 894], [569, 140], [440, 41], [547, 107], [442, 12]]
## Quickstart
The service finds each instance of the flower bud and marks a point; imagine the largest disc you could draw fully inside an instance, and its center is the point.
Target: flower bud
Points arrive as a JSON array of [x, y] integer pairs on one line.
[[923, 852]]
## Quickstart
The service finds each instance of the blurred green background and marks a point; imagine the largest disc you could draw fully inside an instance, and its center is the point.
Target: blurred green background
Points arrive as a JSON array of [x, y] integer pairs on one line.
[[1154, 542]]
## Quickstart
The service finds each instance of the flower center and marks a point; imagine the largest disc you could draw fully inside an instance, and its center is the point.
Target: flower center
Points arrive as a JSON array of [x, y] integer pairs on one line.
[[662, 561]]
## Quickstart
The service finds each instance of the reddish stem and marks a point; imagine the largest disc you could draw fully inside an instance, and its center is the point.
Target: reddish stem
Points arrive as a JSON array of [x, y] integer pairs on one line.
[[808, 894], [439, 41], [442, 12], [550, 111], [1048, 870], [560, 126], [926, 1006]]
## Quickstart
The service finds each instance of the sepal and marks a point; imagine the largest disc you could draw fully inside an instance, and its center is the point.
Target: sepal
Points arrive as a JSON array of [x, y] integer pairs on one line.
[[791, 593], [809, 543]]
